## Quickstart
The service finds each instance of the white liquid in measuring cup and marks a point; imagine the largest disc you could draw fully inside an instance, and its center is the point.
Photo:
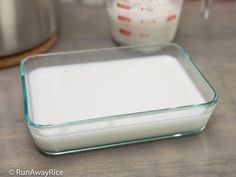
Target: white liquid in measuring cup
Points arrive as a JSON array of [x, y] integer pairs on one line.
[[140, 21]]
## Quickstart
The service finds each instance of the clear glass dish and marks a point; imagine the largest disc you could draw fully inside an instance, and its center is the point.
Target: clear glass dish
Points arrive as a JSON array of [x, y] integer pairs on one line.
[[86, 100]]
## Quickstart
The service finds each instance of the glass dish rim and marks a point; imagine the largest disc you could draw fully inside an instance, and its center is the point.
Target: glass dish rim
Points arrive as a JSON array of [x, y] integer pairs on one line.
[[183, 51]]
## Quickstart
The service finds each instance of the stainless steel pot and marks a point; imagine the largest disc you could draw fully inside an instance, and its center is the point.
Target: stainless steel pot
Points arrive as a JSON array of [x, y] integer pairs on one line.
[[24, 24]]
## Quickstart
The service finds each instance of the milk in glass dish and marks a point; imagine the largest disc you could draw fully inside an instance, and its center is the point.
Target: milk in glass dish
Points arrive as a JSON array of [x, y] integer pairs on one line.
[[87, 100]]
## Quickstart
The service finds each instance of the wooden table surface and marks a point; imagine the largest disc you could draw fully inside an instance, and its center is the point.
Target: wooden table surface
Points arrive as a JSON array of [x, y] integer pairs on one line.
[[209, 154]]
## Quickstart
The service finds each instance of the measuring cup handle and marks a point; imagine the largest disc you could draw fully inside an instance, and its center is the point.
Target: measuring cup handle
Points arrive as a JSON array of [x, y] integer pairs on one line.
[[206, 8]]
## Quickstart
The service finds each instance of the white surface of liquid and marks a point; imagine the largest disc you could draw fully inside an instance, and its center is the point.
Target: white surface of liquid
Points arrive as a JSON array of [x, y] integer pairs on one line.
[[68, 93], [139, 21]]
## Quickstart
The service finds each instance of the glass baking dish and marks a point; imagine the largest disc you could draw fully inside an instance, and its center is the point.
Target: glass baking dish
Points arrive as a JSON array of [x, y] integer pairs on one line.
[[86, 100]]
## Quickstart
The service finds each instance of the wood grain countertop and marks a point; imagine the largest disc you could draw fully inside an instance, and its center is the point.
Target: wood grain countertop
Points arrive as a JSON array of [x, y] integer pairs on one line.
[[209, 154]]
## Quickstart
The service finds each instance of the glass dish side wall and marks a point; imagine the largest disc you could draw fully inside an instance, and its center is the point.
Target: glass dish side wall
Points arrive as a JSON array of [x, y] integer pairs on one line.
[[141, 128]]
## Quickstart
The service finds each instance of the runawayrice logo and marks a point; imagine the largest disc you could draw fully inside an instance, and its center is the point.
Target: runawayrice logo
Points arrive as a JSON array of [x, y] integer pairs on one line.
[[32, 172]]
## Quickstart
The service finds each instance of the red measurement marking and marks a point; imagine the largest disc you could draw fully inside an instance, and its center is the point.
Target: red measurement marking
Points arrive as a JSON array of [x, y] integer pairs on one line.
[[124, 18], [125, 32], [123, 6], [170, 18]]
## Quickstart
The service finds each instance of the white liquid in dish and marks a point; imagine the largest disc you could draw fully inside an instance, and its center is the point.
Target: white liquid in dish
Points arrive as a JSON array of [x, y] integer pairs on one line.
[[68, 93], [139, 21], [83, 91]]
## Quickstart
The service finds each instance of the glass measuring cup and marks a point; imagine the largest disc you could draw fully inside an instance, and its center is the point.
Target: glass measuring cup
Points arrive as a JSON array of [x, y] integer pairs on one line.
[[142, 21]]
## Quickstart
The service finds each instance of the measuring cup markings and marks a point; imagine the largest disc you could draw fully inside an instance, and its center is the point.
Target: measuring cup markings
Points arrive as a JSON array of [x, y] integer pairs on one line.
[[125, 32], [133, 31], [171, 17], [129, 33], [124, 18], [146, 9], [123, 6], [143, 35], [134, 5], [144, 20]]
